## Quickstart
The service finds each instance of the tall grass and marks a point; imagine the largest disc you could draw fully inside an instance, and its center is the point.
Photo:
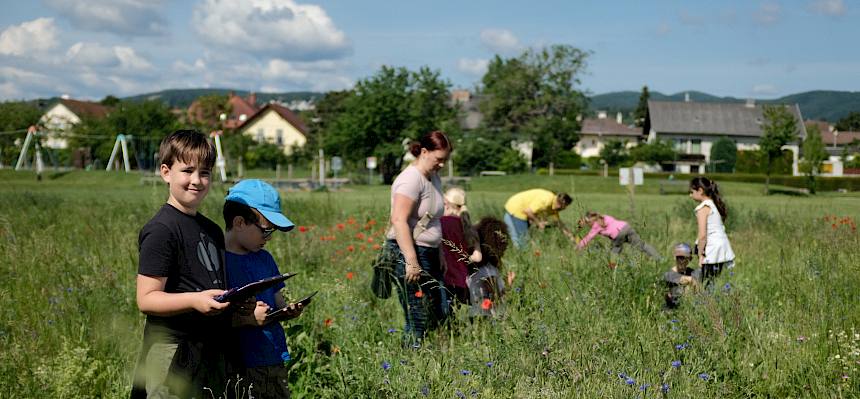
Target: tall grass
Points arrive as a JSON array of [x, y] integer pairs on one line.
[[782, 323]]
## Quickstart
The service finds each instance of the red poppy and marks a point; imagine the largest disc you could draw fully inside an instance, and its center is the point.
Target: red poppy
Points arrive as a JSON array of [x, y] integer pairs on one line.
[[349, 275], [370, 240], [419, 294], [359, 236], [350, 248], [376, 247], [487, 304], [371, 222], [350, 221], [303, 229], [328, 322], [340, 226], [537, 252], [368, 227]]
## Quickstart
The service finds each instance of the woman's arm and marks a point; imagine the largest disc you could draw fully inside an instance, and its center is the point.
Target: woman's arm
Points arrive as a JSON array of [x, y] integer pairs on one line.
[[399, 221], [702, 235]]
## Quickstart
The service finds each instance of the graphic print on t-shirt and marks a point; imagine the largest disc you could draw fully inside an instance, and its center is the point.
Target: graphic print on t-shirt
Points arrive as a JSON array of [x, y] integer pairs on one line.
[[207, 254]]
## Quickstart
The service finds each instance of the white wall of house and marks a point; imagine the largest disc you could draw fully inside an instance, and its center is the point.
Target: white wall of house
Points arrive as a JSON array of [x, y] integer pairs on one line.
[[274, 129], [58, 119], [589, 145]]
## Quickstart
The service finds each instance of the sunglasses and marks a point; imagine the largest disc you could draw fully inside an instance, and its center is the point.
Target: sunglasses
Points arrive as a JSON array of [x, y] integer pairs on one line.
[[267, 232]]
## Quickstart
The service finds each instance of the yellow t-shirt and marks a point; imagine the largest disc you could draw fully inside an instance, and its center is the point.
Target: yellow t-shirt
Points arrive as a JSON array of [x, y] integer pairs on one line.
[[540, 201]]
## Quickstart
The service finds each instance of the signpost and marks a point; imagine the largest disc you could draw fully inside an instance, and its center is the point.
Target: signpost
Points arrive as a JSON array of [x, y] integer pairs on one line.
[[336, 165], [631, 177], [371, 165]]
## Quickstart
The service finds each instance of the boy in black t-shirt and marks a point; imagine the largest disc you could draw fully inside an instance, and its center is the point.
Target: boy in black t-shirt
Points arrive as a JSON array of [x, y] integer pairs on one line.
[[180, 272]]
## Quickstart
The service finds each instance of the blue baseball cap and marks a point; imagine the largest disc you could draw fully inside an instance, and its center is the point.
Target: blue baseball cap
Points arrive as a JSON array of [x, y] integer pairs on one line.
[[264, 198]]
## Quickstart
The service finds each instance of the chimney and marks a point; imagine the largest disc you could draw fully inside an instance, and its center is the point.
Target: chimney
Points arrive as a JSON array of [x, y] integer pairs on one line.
[[686, 97], [750, 103], [252, 98], [601, 114], [619, 119]]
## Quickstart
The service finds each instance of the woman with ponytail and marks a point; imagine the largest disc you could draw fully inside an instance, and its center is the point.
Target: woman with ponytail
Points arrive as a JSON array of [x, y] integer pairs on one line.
[[712, 243], [415, 235]]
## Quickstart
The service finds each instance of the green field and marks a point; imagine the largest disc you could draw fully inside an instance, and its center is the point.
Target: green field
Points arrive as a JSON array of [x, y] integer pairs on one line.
[[783, 323]]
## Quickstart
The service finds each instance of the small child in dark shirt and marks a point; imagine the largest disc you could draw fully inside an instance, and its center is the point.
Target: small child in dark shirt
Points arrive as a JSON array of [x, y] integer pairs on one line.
[[486, 286], [681, 277]]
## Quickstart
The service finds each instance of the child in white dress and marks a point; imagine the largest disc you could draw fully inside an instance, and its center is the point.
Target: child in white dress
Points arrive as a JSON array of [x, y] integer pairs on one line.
[[712, 243]]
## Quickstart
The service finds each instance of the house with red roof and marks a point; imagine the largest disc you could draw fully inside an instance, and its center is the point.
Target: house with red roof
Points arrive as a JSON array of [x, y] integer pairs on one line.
[[597, 131], [241, 108], [63, 115], [276, 124]]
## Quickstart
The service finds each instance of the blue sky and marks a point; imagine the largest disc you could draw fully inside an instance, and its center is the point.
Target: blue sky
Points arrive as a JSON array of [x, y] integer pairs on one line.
[[88, 49]]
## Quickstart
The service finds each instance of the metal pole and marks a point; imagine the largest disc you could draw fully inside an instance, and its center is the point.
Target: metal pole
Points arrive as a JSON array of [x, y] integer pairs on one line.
[[220, 161], [322, 168], [113, 153], [30, 133], [124, 144]]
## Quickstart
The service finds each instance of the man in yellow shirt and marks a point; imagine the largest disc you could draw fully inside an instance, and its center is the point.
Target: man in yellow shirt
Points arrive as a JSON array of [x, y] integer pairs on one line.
[[533, 207]]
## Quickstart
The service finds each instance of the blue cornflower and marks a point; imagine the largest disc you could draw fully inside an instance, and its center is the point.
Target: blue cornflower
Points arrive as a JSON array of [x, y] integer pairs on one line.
[[704, 376], [674, 320], [629, 381], [386, 365], [681, 347], [392, 330], [70, 289], [664, 387], [643, 387], [465, 372], [622, 375], [727, 287], [676, 363], [489, 364], [425, 390]]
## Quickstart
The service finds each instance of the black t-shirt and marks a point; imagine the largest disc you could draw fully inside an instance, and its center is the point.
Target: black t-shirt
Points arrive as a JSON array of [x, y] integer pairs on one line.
[[189, 251]]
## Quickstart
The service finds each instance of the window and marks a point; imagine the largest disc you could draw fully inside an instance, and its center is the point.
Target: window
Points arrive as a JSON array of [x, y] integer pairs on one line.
[[680, 146], [260, 136], [696, 146], [279, 137]]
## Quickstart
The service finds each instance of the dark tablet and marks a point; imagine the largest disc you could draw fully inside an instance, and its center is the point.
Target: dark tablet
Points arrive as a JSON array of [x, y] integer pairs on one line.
[[240, 293], [274, 314]]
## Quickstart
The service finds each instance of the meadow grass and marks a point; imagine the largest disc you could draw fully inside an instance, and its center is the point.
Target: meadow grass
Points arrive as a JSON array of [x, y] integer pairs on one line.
[[782, 323]]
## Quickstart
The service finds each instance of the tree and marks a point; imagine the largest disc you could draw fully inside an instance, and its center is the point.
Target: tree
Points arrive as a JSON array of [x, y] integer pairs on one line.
[[146, 122], [534, 97], [614, 152], [110, 101], [481, 150], [206, 116], [724, 155], [814, 155], [641, 112], [779, 127], [385, 109], [14, 116], [655, 153], [850, 123]]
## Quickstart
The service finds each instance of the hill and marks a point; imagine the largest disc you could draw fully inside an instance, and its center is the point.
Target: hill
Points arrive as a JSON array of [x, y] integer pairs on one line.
[[826, 105], [182, 98]]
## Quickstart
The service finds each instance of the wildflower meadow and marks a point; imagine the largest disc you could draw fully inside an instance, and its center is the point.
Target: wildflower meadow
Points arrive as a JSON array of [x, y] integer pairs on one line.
[[782, 323]]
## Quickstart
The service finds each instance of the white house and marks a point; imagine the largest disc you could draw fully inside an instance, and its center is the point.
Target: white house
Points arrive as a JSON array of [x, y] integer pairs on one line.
[[597, 131], [693, 127], [66, 113], [277, 125]]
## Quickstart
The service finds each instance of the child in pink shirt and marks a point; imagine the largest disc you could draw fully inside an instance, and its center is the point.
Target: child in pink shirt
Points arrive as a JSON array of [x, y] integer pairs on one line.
[[618, 231]]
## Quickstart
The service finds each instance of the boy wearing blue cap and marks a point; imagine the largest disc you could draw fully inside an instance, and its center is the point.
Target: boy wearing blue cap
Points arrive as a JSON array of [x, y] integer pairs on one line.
[[252, 212]]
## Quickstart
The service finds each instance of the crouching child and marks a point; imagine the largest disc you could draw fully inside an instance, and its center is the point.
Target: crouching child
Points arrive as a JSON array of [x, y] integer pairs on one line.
[[681, 277], [485, 283]]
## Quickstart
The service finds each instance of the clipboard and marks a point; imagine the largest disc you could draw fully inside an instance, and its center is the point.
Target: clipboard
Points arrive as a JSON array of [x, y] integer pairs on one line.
[[278, 313], [252, 289]]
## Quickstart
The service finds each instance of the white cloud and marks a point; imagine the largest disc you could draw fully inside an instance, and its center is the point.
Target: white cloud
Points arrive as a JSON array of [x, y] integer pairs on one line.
[[500, 41], [29, 37], [122, 17], [828, 7], [97, 55], [271, 28], [185, 68], [320, 75], [768, 14], [764, 89], [472, 66]]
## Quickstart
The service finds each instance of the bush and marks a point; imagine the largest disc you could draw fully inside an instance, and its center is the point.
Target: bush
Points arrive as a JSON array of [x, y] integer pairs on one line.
[[754, 162], [726, 152]]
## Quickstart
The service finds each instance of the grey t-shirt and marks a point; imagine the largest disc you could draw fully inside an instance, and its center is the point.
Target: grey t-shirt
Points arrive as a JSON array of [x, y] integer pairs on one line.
[[413, 184]]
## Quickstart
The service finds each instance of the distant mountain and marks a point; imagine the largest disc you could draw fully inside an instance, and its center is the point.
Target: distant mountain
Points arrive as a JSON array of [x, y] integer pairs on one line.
[[820, 104], [182, 98]]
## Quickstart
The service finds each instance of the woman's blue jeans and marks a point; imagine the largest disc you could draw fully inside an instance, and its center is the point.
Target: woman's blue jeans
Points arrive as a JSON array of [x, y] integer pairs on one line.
[[428, 309]]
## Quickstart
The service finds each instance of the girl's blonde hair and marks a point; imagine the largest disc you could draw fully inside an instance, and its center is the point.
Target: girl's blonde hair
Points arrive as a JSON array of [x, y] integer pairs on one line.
[[457, 196]]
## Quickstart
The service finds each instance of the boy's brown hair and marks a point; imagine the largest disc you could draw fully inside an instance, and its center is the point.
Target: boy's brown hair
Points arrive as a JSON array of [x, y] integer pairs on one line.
[[494, 238], [189, 146]]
